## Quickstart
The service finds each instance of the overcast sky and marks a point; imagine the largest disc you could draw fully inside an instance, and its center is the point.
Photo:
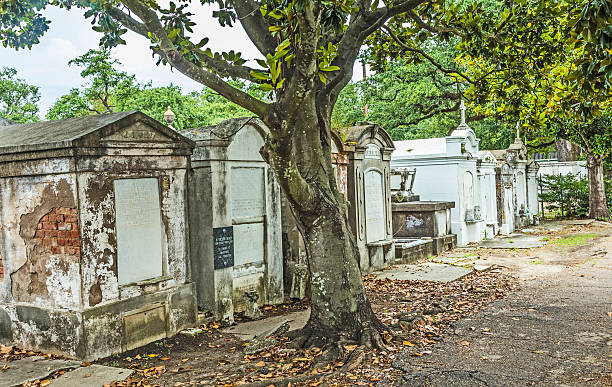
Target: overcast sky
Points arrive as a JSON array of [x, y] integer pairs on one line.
[[70, 35]]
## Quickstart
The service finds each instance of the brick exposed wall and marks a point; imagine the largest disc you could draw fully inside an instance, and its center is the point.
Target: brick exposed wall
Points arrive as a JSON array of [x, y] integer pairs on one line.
[[341, 161], [59, 231]]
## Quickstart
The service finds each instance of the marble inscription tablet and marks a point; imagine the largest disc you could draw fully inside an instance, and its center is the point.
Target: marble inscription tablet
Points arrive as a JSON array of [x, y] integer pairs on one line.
[[374, 207], [139, 231]]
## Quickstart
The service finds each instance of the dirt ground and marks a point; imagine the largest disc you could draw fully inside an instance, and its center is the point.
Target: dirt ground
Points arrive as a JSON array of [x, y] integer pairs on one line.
[[555, 329], [418, 311], [423, 316]]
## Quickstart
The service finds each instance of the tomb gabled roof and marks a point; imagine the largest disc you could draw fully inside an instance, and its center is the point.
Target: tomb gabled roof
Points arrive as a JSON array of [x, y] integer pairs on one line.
[[226, 129], [487, 156], [6, 122], [500, 154], [365, 133], [87, 131]]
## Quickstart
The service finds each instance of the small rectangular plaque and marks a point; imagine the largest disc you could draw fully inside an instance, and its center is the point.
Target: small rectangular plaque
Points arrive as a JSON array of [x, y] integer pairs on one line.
[[223, 247]]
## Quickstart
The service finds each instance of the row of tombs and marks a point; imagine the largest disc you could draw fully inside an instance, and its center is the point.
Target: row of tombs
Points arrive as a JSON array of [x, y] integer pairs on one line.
[[116, 229]]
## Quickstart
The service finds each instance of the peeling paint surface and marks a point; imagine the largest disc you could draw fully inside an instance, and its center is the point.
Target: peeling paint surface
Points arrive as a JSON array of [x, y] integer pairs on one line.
[[59, 289], [24, 203]]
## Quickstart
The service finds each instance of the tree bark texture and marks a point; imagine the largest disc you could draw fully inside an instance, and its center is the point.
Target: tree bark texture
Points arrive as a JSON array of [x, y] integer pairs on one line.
[[598, 206], [298, 147], [567, 151], [301, 160]]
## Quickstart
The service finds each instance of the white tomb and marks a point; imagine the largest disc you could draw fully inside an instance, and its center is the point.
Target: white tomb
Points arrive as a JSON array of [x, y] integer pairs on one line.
[[235, 218], [485, 167], [369, 194], [448, 169]]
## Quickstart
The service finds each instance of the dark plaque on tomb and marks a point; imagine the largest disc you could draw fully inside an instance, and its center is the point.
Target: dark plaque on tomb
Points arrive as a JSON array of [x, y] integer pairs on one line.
[[223, 247]]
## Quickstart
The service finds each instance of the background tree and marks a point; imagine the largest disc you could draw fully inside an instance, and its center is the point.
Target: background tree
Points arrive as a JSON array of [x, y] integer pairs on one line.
[[544, 83], [18, 99], [308, 49], [108, 89], [416, 101]]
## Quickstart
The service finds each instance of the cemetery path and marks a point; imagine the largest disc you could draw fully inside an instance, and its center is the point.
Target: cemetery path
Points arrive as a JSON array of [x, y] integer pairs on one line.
[[556, 329]]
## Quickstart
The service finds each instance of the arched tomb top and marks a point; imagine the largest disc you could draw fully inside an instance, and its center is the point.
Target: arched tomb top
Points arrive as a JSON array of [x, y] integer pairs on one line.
[[338, 146], [468, 137], [243, 137], [366, 133]]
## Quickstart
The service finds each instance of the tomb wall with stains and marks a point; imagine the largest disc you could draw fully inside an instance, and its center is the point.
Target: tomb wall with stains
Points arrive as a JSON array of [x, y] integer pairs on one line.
[[39, 270], [59, 290]]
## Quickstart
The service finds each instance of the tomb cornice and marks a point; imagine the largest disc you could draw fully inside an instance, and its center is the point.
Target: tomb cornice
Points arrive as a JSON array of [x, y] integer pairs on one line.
[[423, 206], [432, 160], [121, 130], [366, 133]]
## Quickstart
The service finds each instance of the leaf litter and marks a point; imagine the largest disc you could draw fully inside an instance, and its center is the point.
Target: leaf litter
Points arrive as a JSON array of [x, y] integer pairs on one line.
[[416, 312]]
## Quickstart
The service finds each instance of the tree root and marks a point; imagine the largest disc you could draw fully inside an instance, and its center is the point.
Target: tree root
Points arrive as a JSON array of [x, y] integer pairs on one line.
[[371, 338], [354, 359]]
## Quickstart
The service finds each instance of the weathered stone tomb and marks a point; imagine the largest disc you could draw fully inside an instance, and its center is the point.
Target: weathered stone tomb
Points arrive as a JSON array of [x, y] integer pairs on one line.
[[93, 239], [517, 187], [235, 219], [486, 184], [369, 194]]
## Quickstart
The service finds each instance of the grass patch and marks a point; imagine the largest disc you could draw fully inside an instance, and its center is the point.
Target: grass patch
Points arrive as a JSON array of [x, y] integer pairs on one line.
[[575, 240], [536, 262]]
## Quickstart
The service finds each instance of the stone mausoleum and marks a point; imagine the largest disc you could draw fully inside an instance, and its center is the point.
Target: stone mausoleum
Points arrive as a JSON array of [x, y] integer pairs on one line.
[[369, 194], [486, 186], [517, 187], [93, 240], [447, 170], [235, 219]]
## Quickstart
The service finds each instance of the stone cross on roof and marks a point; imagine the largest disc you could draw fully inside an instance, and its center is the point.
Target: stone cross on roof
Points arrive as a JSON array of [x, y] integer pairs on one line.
[[463, 109], [518, 130]]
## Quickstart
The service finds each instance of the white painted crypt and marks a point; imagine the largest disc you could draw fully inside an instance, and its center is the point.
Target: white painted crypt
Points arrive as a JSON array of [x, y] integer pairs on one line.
[[517, 187], [369, 194], [451, 169]]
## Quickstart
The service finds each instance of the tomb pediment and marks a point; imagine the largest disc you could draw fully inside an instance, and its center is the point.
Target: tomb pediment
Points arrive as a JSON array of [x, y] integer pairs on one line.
[[365, 133], [138, 132]]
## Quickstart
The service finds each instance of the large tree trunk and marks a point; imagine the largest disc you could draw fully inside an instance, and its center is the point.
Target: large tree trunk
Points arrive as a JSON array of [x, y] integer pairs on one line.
[[299, 151], [340, 310], [598, 207]]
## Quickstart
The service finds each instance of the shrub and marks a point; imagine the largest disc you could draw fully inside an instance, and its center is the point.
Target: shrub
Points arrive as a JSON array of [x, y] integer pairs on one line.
[[568, 195]]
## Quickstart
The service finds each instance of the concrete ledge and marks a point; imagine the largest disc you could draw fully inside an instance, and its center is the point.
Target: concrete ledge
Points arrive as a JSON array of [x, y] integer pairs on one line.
[[444, 243], [412, 251], [422, 206]]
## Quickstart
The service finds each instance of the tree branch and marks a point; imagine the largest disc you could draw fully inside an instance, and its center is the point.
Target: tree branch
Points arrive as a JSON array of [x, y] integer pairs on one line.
[[436, 30], [255, 25], [432, 112], [153, 25], [362, 24], [426, 56], [128, 21], [542, 145], [219, 66]]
